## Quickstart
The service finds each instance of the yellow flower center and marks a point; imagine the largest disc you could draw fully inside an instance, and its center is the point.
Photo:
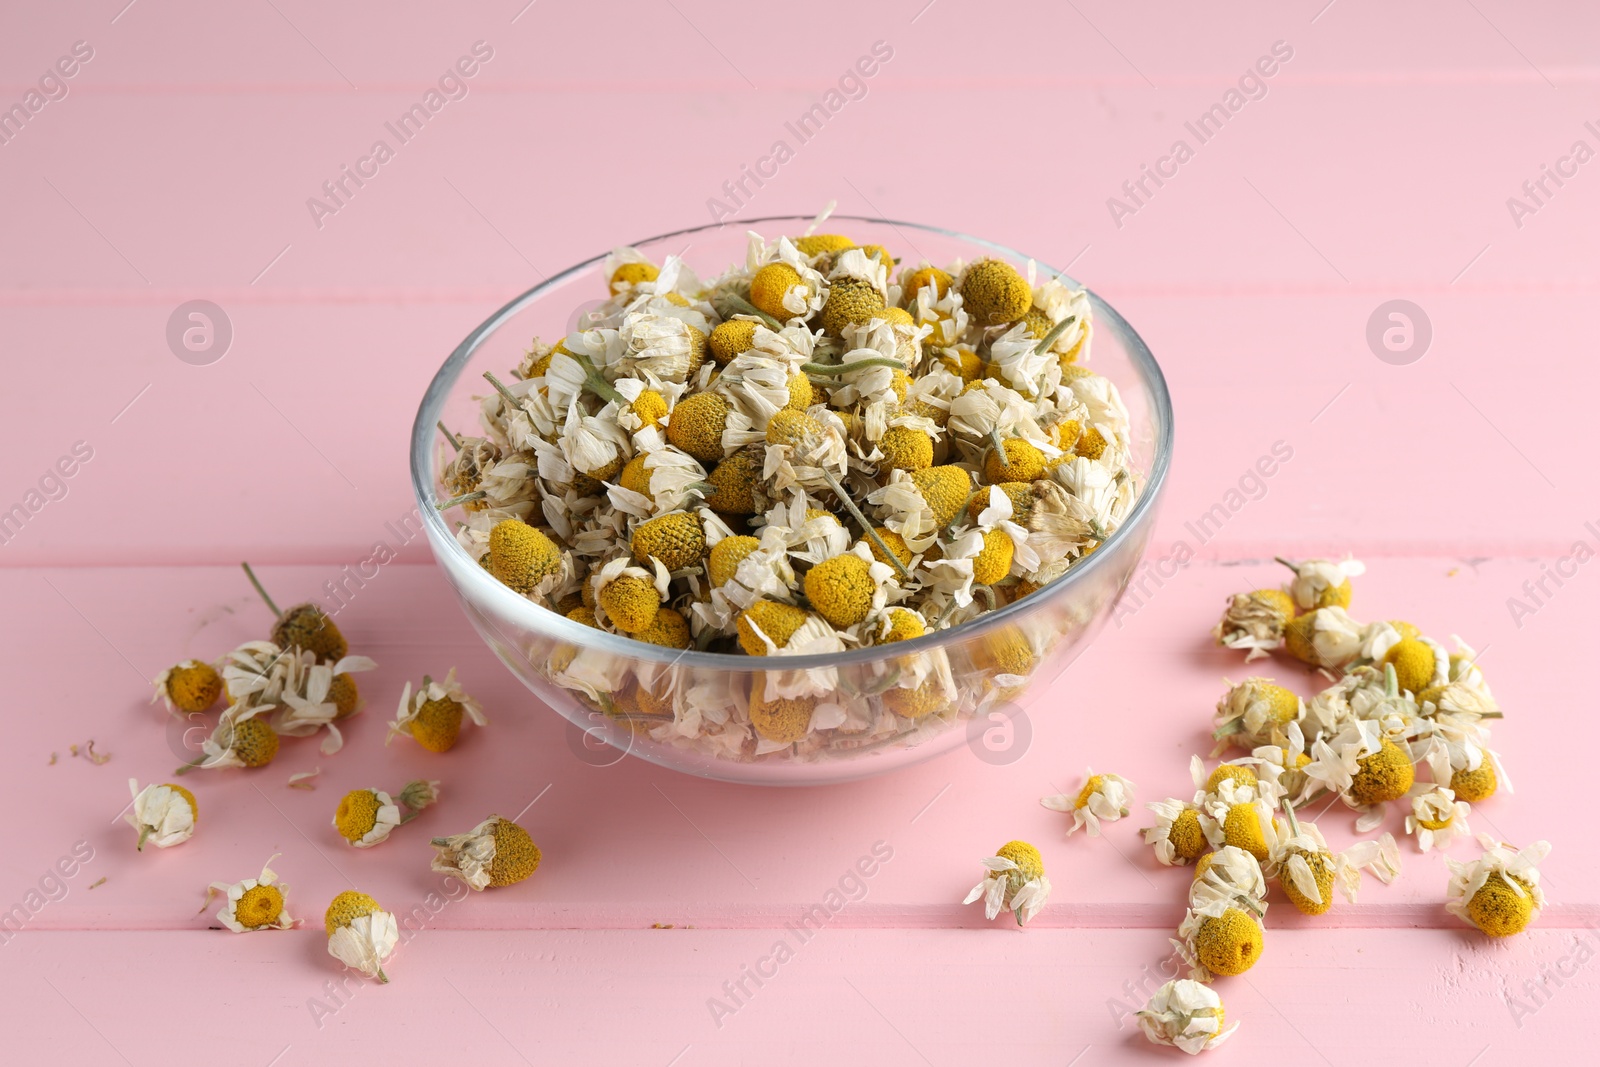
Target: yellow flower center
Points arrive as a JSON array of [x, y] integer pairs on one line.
[[1499, 910], [357, 814], [515, 854], [259, 906], [437, 725], [1229, 943], [346, 908], [1090, 788]]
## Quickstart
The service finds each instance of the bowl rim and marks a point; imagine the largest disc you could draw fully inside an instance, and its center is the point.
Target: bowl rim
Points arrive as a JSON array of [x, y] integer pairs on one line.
[[534, 617]]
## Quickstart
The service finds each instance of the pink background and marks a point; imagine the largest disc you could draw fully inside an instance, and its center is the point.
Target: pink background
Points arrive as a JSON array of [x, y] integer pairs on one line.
[[1377, 166]]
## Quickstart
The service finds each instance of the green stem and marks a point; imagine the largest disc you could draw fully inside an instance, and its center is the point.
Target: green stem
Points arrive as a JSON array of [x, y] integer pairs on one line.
[[1055, 332], [144, 832], [505, 394], [999, 447], [191, 765], [408, 817], [476, 494], [259, 590], [961, 513], [1294, 823], [597, 382], [845, 368], [867, 527], [382, 977], [747, 308], [1286, 563], [448, 436]]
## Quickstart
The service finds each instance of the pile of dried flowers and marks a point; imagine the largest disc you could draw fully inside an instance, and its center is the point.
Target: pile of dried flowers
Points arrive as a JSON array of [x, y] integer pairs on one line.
[[296, 684], [818, 450], [1397, 701]]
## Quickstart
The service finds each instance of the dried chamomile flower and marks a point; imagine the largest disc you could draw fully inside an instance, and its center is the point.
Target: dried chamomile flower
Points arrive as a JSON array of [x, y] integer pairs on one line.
[[302, 626], [366, 816], [1218, 938], [521, 556], [1241, 818], [1187, 1015], [315, 695], [1309, 871], [253, 904], [432, 715], [1016, 882], [1437, 818], [1418, 664], [1498, 892], [164, 815], [1255, 621], [1325, 637], [1256, 712], [496, 852], [993, 292], [361, 935], [240, 740], [1322, 583], [1103, 798], [1233, 876], [1178, 836], [191, 686]]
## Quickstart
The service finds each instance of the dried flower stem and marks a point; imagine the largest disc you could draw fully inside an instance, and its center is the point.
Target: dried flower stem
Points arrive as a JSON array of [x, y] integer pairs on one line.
[[1055, 332], [596, 381], [867, 527], [476, 494], [747, 308], [448, 436], [260, 591], [505, 394], [845, 368]]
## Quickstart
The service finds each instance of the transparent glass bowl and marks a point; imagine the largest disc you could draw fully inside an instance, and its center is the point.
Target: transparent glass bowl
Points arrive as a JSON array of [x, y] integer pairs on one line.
[[999, 662]]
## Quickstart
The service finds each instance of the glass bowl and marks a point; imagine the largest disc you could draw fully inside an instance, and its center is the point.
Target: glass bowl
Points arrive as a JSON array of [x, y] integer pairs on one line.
[[1000, 662]]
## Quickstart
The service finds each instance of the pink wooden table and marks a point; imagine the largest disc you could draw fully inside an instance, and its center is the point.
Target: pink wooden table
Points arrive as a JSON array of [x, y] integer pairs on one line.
[[1377, 163]]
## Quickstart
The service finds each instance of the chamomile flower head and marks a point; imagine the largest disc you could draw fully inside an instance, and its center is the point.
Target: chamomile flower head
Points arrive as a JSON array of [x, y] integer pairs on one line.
[[669, 629], [817, 244], [731, 338], [1187, 1015], [1256, 712], [1178, 836], [1231, 875], [432, 715], [309, 627], [1219, 939], [1475, 783], [842, 589], [1255, 621], [945, 489], [1414, 662], [1499, 892], [851, 302], [781, 720], [925, 277], [496, 852], [1241, 819], [1437, 818], [240, 740], [164, 815], [1325, 637], [994, 292], [1322, 583], [734, 484], [630, 596], [1382, 776], [697, 423], [1103, 798], [677, 540], [906, 448], [1015, 882], [521, 556], [366, 816], [189, 687], [361, 935], [253, 904], [766, 626], [778, 290]]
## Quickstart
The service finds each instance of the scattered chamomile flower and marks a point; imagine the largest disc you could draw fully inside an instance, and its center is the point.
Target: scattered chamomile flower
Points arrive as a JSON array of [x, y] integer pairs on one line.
[[1178, 837], [253, 904], [241, 739], [164, 815], [1322, 583], [302, 626], [1498, 892], [1103, 798], [1326, 637], [366, 816], [1016, 882], [496, 852], [189, 687], [1232, 875], [1437, 818], [1218, 938], [1255, 621], [1256, 712], [361, 935], [1309, 870], [432, 715], [1187, 1015]]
